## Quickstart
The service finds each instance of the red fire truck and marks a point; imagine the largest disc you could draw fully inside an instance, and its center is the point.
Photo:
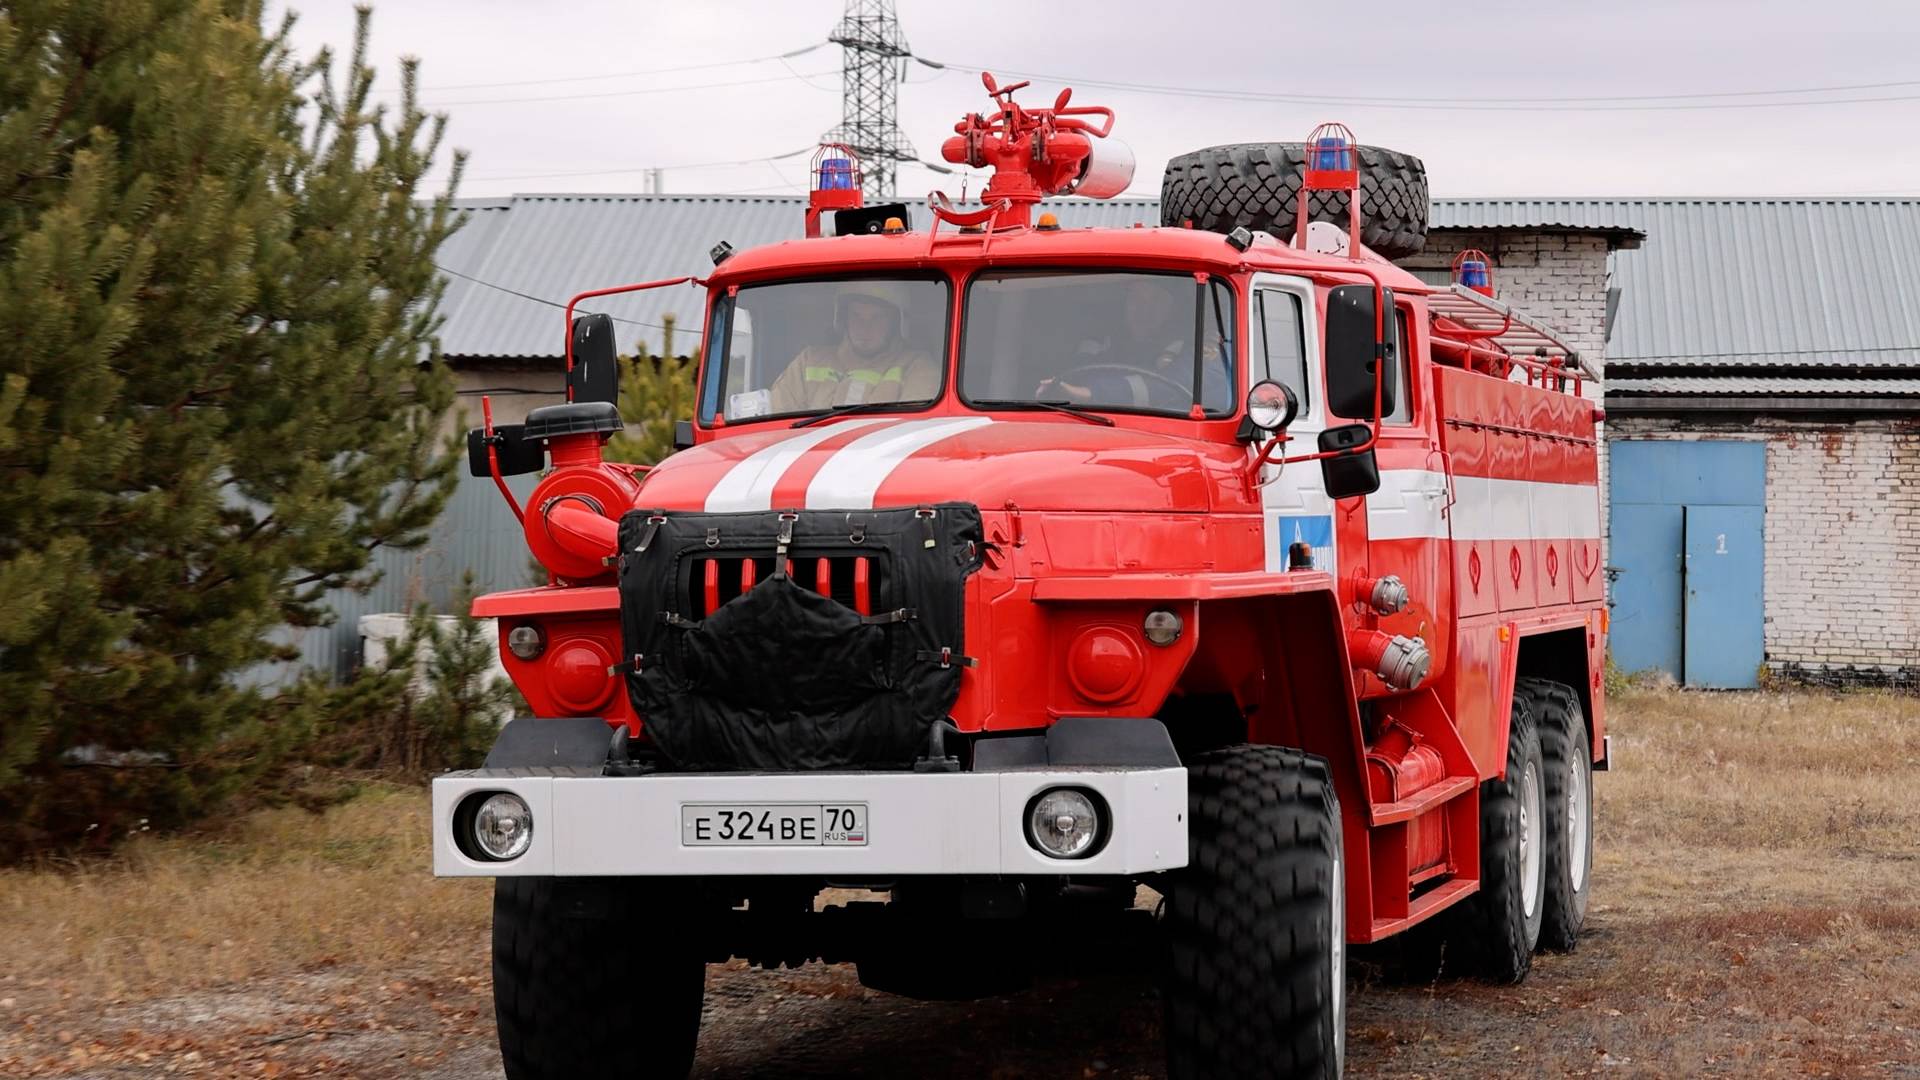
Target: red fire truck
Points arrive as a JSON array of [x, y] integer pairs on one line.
[[1007, 569]]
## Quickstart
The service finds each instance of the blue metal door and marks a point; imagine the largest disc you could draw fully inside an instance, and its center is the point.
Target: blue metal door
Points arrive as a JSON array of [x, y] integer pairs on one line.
[[1724, 612], [1646, 596], [1707, 629]]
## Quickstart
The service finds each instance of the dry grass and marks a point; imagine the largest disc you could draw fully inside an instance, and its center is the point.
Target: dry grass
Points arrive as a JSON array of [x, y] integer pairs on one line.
[[1755, 910], [280, 891]]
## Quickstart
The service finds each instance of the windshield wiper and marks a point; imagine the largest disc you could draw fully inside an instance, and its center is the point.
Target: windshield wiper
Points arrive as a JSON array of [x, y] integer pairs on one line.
[[1056, 406], [848, 410]]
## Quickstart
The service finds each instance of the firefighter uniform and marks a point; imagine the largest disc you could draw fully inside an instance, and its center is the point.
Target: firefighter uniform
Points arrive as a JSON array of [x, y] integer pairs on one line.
[[823, 377]]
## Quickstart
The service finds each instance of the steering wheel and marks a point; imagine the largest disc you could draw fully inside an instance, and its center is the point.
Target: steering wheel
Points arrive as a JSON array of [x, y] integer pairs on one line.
[[1182, 393]]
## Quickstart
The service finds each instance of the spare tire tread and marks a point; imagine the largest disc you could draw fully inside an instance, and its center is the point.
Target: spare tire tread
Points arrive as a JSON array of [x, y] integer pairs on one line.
[[1257, 186]]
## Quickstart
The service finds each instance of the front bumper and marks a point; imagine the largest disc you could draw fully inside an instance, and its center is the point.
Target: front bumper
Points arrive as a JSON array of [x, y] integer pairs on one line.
[[918, 823]]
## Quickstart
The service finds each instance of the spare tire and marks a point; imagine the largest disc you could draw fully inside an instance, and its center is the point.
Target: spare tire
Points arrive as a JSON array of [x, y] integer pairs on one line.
[[1257, 185]]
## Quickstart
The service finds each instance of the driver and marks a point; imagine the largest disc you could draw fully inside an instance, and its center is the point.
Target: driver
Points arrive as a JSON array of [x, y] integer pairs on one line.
[[1155, 337], [872, 362]]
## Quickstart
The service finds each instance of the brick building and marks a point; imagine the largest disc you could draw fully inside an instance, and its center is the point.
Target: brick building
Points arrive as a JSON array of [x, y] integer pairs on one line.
[[1763, 392]]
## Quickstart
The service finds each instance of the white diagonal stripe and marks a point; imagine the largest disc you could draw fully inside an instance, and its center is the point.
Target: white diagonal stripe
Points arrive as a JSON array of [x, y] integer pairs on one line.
[[749, 484], [852, 476]]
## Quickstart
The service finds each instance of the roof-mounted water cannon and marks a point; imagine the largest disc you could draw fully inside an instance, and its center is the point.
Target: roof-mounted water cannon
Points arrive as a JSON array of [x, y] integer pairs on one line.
[[1332, 165], [1034, 153], [1473, 270]]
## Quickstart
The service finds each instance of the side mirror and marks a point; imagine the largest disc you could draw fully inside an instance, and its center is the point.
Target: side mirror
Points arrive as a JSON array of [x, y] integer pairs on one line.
[[518, 454], [1347, 473], [1350, 355], [1271, 406], [683, 434], [596, 362]]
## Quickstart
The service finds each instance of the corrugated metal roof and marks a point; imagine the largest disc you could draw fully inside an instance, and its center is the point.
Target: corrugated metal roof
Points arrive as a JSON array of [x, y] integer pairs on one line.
[[1600, 215], [1765, 386], [550, 247], [1769, 283], [1819, 283]]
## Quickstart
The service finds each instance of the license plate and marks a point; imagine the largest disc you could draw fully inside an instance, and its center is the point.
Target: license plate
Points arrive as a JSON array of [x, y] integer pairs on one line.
[[774, 824]]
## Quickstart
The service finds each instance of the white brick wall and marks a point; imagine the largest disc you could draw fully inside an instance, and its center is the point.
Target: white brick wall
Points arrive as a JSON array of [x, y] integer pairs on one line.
[[1559, 279], [1842, 559]]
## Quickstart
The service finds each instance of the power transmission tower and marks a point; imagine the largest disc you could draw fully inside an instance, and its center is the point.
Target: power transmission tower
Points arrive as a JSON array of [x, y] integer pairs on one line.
[[871, 67]]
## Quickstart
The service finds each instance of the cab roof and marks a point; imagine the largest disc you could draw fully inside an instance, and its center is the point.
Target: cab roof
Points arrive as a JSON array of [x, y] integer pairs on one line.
[[950, 250]]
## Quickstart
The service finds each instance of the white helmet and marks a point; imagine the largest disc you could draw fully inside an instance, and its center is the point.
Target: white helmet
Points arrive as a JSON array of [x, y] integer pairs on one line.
[[891, 293]]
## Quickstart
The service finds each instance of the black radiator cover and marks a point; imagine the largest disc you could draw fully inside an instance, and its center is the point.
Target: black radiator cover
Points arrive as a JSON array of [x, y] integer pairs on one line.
[[783, 678]]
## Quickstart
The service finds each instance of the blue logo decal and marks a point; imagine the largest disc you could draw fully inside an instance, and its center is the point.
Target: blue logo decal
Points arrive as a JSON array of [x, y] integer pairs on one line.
[[1314, 530]]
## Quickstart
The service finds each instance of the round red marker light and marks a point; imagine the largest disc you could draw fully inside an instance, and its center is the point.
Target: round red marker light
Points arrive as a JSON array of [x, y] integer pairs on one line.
[[577, 676], [1104, 664]]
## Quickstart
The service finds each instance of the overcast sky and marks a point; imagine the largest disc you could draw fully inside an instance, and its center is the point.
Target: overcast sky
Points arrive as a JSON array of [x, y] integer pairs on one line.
[[1466, 82]]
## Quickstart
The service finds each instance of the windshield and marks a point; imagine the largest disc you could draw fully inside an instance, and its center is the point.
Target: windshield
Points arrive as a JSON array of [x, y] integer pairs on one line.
[[1114, 341], [797, 347]]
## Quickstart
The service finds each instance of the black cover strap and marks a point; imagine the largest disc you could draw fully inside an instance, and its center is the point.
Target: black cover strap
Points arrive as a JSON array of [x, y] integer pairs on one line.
[[945, 657], [647, 534], [896, 615], [782, 543]]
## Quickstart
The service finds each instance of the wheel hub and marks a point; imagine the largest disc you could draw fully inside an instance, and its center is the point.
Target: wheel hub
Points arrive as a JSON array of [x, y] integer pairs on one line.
[[1529, 842], [1577, 824]]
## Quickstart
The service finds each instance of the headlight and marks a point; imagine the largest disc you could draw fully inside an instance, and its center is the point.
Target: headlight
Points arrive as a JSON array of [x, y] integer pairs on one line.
[[1064, 823], [526, 642], [1271, 406], [1162, 627], [503, 827]]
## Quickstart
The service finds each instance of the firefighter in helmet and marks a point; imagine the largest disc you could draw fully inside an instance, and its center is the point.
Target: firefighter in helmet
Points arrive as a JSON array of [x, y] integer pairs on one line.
[[872, 361]]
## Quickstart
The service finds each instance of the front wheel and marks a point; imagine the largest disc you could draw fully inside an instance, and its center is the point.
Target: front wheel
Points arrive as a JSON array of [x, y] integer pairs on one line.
[[1256, 922], [578, 991]]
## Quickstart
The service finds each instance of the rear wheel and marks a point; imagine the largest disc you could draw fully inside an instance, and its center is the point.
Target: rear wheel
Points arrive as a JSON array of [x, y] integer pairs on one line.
[[1499, 926], [577, 993], [1566, 753], [1256, 922]]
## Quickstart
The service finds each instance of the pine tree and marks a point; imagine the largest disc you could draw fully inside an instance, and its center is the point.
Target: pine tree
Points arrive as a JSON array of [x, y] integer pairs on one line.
[[656, 390], [218, 388]]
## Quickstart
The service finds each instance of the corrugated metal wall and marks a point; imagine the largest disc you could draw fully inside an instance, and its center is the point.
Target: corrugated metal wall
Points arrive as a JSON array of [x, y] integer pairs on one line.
[[477, 532]]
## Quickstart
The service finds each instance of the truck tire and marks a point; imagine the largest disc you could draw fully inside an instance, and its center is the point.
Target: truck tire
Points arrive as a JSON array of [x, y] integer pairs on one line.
[[1257, 185], [1568, 791], [1499, 926], [1256, 923], [576, 992]]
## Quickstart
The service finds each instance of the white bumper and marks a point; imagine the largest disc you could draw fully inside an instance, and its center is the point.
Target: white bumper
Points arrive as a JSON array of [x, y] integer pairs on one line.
[[918, 823]]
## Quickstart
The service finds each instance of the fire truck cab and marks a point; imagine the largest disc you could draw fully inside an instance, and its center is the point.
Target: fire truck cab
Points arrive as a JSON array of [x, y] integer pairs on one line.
[[1012, 568]]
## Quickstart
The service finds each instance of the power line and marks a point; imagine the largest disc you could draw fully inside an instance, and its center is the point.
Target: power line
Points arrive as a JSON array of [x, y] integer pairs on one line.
[[649, 168], [629, 93], [541, 299], [788, 55], [1669, 102]]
